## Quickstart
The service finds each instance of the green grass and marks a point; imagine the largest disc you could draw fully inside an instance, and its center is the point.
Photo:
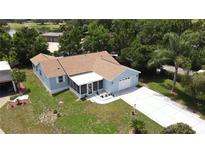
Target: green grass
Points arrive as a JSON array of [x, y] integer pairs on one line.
[[78, 116], [41, 27], [164, 86]]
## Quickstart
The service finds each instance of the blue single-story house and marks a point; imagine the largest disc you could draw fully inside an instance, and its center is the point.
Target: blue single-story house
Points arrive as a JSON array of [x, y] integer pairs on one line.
[[83, 74]]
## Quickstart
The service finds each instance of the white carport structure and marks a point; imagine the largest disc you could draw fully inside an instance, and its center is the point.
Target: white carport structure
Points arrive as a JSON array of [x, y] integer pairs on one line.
[[86, 83], [5, 73]]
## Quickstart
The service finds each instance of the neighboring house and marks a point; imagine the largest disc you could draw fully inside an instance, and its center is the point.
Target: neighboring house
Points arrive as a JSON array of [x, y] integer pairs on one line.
[[181, 71], [52, 39], [84, 74], [201, 71], [6, 83], [52, 36]]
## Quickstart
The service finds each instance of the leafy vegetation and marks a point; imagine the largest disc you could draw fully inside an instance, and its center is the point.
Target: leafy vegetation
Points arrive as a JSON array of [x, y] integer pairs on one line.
[[18, 76], [28, 40], [41, 26], [179, 128], [138, 126], [195, 86], [140, 44]]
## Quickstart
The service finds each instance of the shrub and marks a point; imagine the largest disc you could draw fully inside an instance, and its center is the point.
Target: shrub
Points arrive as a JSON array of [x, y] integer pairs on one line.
[[195, 87], [18, 75], [178, 128], [138, 126]]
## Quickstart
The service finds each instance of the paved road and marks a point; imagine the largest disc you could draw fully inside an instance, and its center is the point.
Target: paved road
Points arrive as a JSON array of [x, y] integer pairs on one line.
[[162, 109], [1, 131], [3, 100]]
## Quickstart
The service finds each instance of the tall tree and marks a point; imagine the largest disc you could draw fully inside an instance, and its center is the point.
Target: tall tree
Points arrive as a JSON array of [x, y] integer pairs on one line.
[[5, 42], [137, 56], [97, 39], [171, 54], [28, 43], [123, 34], [152, 31], [6, 48], [70, 42], [195, 41]]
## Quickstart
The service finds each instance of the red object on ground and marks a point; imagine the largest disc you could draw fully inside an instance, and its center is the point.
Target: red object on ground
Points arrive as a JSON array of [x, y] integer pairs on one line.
[[22, 88], [173, 91]]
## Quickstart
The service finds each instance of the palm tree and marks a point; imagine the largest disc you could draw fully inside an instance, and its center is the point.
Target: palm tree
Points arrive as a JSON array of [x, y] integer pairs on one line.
[[172, 53]]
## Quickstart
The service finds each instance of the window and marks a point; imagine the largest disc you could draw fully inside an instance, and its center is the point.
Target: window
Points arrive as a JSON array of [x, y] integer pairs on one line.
[[74, 86], [36, 68], [84, 89], [40, 72], [100, 84], [60, 79], [95, 86]]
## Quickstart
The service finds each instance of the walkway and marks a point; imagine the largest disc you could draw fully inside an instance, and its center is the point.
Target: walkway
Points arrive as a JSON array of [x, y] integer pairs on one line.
[[157, 107], [162, 109]]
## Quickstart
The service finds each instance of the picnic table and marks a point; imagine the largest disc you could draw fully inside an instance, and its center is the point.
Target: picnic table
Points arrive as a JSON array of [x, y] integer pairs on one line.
[[19, 101]]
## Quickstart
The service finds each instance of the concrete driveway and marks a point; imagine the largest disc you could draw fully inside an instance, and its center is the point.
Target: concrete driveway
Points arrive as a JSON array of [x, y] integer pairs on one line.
[[3, 100], [162, 110]]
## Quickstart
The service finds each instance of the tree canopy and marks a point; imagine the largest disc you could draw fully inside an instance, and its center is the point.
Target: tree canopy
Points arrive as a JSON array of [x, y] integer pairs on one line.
[[98, 38], [195, 87], [140, 44], [70, 42], [28, 43], [18, 75]]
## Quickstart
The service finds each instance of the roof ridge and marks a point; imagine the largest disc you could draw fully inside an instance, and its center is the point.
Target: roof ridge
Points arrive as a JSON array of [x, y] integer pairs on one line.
[[46, 56], [61, 66], [110, 61], [84, 54]]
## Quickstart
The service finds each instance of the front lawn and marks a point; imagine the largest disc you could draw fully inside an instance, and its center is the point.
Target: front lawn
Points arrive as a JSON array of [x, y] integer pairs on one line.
[[77, 116], [163, 86]]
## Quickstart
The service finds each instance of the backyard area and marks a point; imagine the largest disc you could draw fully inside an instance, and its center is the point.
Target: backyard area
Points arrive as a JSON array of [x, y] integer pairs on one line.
[[48, 26], [77, 116], [163, 86]]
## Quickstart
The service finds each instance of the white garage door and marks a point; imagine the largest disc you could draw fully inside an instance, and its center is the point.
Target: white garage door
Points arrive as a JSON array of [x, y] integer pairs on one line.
[[124, 83]]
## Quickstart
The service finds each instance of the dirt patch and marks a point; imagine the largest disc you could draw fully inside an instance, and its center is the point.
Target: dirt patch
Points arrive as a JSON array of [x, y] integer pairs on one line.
[[48, 118]]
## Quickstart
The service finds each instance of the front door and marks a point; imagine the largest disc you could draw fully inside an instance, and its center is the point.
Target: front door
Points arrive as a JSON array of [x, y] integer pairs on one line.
[[90, 88]]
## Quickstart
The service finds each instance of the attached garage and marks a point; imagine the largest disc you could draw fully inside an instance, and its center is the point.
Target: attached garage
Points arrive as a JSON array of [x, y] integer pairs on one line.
[[124, 83]]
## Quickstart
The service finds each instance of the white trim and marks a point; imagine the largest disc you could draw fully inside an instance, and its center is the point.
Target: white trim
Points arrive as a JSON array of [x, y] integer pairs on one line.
[[14, 86], [123, 72], [86, 78], [91, 88], [71, 89], [134, 70], [57, 81], [42, 82]]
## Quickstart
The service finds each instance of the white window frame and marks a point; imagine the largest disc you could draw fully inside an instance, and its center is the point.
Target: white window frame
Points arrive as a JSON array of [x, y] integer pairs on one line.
[[57, 79]]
